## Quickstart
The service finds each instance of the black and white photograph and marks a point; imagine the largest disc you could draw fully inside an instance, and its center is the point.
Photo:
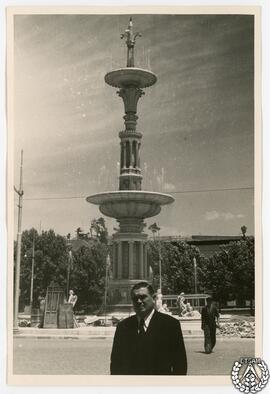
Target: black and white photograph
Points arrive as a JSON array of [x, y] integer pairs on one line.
[[134, 193]]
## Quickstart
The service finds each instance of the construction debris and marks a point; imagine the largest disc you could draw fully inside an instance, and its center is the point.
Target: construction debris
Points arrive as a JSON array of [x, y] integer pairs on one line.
[[242, 329]]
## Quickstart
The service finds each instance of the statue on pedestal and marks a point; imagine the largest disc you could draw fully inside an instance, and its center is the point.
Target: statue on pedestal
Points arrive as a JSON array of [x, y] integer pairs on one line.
[[181, 304], [158, 300], [72, 298]]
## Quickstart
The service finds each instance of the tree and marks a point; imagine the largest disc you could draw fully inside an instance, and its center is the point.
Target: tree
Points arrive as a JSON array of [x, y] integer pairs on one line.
[[99, 227], [79, 233], [230, 273], [50, 262], [242, 257], [88, 274], [218, 277], [177, 266]]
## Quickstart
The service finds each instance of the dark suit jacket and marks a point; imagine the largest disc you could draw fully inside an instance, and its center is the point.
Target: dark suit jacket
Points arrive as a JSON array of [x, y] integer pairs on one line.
[[161, 352], [208, 317]]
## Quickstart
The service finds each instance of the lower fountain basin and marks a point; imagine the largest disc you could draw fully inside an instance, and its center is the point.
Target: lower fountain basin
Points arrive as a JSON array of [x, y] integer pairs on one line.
[[130, 203]]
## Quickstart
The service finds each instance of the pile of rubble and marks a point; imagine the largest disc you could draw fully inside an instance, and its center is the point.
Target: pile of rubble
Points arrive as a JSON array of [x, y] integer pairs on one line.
[[242, 329], [25, 323]]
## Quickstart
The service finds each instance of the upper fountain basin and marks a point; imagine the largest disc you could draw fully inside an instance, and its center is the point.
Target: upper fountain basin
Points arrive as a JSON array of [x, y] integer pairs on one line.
[[130, 76], [130, 203]]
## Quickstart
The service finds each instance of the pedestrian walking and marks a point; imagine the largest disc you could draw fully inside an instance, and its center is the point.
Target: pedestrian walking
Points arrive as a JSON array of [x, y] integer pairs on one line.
[[209, 318]]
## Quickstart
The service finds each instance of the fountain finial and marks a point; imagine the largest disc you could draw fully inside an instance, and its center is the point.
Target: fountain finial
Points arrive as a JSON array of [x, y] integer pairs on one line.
[[130, 41]]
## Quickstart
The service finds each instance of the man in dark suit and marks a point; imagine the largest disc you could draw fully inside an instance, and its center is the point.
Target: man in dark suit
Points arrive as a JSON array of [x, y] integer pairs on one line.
[[208, 319], [148, 343]]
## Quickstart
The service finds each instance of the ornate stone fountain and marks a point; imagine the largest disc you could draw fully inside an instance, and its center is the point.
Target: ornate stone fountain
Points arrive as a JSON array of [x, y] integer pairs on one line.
[[130, 205]]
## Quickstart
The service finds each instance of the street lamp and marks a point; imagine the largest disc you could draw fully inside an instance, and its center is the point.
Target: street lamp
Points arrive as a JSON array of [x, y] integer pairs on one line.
[[108, 265], [18, 252], [70, 260], [32, 274], [155, 230], [195, 274], [195, 277], [159, 264]]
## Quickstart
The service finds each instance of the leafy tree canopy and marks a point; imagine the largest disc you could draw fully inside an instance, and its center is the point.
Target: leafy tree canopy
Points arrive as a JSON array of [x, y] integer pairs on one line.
[[52, 262], [177, 261]]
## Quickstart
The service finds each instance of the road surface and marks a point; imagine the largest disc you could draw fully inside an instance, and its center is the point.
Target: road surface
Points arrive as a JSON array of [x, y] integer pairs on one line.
[[91, 357]]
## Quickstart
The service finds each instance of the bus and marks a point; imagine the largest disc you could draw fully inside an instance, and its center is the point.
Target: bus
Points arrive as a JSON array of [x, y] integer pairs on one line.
[[197, 301]]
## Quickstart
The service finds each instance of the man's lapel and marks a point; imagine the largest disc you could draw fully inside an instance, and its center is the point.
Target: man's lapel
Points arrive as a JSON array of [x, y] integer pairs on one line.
[[152, 323], [134, 325]]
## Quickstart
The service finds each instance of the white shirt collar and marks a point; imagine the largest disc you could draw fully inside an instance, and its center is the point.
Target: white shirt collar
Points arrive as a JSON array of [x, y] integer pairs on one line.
[[148, 319]]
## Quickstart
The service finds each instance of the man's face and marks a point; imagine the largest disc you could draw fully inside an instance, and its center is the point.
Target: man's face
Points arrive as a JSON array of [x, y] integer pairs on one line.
[[143, 302]]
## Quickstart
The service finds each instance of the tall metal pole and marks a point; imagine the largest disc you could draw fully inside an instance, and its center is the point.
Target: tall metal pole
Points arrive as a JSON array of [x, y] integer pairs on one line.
[[18, 254], [32, 275], [159, 263], [195, 277], [108, 263], [68, 271], [155, 229], [195, 274]]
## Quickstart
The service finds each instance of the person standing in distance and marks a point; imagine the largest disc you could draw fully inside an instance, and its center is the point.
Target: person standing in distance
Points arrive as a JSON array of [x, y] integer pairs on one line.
[[148, 343], [208, 319]]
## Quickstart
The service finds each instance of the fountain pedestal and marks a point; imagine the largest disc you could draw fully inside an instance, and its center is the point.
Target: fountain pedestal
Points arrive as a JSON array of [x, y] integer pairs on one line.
[[129, 252]]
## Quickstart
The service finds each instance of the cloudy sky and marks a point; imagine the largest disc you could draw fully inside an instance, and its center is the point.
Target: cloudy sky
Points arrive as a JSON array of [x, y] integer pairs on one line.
[[197, 121]]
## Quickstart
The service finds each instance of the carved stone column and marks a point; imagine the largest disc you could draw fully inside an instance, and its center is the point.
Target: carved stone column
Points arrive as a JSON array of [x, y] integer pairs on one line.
[[125, 155], [141, 261], [137, 155], [130, 259], [130, 98], [130, 151], [139, 158], [133, 153], [121, 156], [119, 270], [146, 271], [114, 261]]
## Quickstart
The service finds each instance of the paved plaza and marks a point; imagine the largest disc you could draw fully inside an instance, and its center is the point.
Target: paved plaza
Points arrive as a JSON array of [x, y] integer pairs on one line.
[[91, 356]]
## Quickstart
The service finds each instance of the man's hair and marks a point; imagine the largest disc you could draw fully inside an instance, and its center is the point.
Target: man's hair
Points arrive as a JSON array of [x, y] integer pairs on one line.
[[141, 284], [209, 299]]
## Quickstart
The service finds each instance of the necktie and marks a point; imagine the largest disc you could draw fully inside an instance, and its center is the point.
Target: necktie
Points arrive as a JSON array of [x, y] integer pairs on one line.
[[141, 328]]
